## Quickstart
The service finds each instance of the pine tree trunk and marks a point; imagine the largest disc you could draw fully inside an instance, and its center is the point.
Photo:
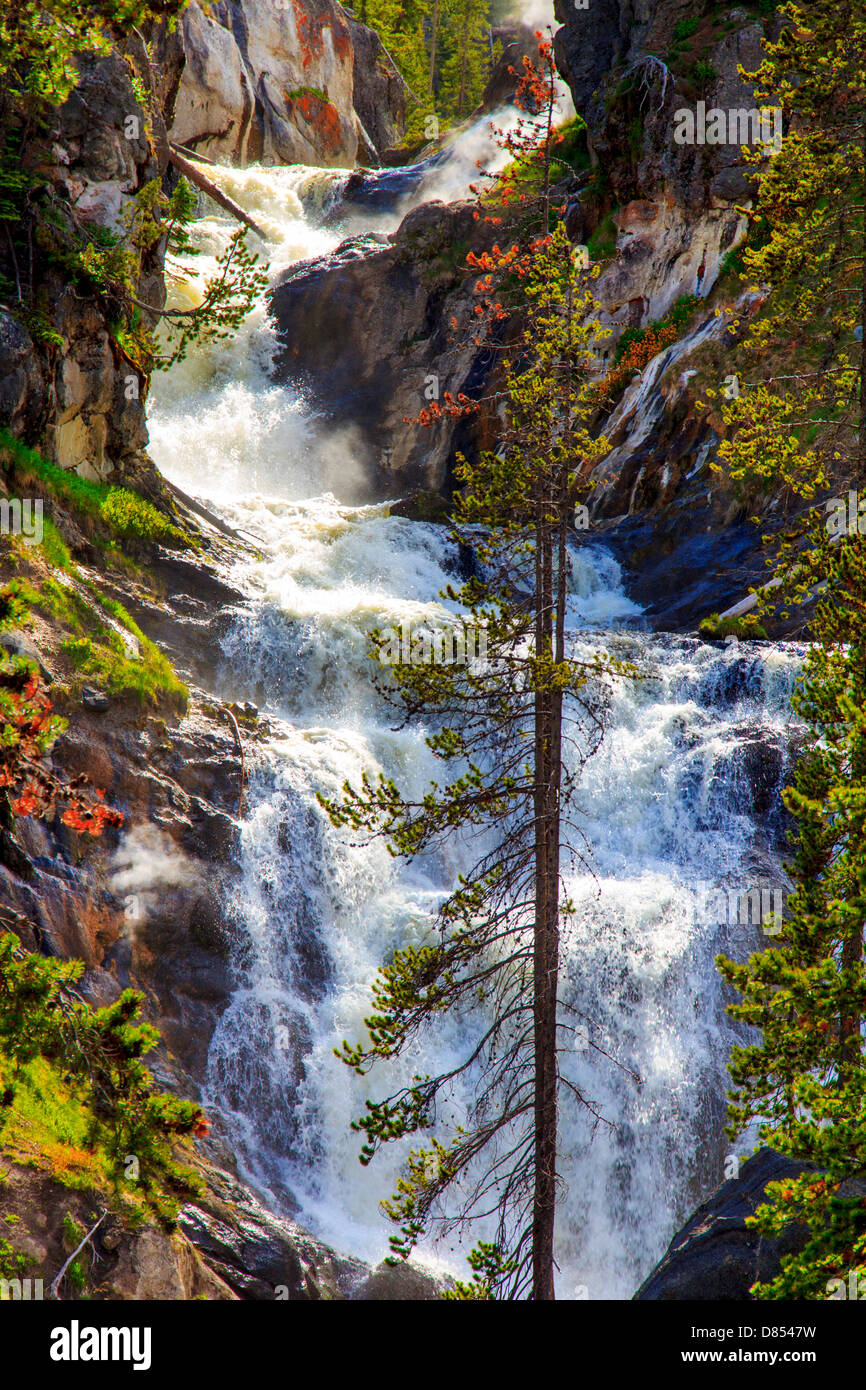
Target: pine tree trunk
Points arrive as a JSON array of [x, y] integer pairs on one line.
[[434, 34], [548, 722], [862, 438]]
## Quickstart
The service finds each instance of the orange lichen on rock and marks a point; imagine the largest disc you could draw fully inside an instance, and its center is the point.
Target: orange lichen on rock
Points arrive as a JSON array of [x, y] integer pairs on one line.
[[310, 29], [321, 115]]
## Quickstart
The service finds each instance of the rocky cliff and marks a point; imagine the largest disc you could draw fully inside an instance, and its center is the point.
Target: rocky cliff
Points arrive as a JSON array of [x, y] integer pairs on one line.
[[254, 80], [295, 82]]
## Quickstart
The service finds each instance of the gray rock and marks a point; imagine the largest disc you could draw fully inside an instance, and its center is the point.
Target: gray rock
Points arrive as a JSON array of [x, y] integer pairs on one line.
[[592, 41], [22, 387], [379, 93], [733, 185], [258, 81], [715, 1256], [95, 700], [401, 1283], [264, 1257]]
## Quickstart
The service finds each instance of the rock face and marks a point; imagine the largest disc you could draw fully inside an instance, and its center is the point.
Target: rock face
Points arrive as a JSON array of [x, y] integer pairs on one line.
[[118, 1264], [266, 80], [518, 41], [226, 1248], [83, 402], [595, 39], [144, 907], [389, 306], [715, 1256], [379, 91]]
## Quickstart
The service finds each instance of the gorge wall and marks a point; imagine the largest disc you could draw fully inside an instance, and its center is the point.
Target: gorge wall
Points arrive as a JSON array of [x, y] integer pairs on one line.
[[301, 82]]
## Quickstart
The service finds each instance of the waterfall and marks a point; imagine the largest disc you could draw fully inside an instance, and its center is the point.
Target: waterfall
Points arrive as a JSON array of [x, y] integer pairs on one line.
[[673, 806]]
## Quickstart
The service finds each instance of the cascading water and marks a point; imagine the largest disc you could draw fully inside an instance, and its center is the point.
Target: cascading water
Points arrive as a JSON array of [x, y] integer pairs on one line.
[[672, 799]]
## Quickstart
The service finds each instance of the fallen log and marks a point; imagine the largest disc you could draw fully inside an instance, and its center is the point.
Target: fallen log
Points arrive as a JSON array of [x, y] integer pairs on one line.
[[201, 180]]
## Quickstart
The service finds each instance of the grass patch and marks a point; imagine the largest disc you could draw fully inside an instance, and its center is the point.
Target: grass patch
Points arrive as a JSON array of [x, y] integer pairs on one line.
[[298, 92], [122, 512], [48, 1125], [94, 647]]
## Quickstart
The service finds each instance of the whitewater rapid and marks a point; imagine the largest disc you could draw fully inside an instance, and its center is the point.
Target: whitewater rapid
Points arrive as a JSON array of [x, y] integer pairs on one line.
[[669, 802]]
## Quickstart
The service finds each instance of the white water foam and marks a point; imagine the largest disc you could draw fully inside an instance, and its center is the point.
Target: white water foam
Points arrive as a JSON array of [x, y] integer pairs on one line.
[[665, 803]]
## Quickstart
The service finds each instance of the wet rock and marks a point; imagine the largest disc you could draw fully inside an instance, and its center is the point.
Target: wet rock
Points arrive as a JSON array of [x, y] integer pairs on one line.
[[421, 506], [387, 361], [404, 1283], [261, 1256], [715, 1256]]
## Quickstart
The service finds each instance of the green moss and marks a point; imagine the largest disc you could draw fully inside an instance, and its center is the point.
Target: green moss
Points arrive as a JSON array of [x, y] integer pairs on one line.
[[684, 28], [602, 243], [747, 628], [298, 92]]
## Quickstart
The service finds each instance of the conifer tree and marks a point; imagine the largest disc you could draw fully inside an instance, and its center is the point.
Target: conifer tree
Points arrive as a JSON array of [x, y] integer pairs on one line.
[[498, 732], [805, 424], [466, 63]]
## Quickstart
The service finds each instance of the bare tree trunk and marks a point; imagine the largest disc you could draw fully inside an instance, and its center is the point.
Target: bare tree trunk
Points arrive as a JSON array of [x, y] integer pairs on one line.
[[548, 724], [208, 186]]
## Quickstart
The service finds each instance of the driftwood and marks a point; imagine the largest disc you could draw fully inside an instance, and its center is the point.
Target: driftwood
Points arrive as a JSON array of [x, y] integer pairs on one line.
[[199, 158], [240, 747], [201, 180], [55, 1283]]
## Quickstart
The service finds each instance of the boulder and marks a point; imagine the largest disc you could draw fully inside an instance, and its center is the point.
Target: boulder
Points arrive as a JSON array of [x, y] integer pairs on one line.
[[375, 385], [261, 1256], [401, 1283], [716, 1256]]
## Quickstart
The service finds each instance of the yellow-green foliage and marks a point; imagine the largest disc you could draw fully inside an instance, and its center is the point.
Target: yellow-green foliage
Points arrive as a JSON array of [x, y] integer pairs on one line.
[[716, 628], [119, 511], [49, 1126], [95, 648]]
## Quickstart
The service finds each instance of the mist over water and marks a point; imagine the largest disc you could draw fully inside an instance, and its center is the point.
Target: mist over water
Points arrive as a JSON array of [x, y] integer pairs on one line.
[[667, 802]]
